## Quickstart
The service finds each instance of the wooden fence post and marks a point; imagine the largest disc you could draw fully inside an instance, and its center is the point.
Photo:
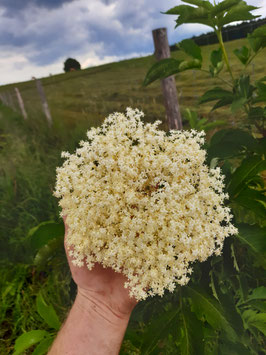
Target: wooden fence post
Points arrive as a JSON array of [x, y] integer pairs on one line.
[[21, 104], [162, 51], [44, 102]]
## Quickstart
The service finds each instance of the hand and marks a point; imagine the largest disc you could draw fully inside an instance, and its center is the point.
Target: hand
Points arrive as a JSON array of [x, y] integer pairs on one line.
[[102, 286], [99, 316]]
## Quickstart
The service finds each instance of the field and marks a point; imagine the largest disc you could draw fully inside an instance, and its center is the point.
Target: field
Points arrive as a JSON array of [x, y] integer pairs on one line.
[[83, 98], [30, 152]]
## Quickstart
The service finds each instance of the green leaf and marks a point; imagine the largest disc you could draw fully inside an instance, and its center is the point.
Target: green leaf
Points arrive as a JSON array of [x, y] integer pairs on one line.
[[191, 64], [200, 124], [28, 339], [245, 89], [238, 103], [217, 63], [191, 14], [223, 6], [191, 48], [230, 348], [216, 70], [48, 251], [243, 54], [162, 69], [258, 293], [43, 347], [258, 305], [257, 320], [44, 232], [223, 102], [159, 329], [47, 312], [216, 57], [256, 43], [249, 168], [259, 32], [192, 117], [252, 200], [230, 142], [191, 340], [227, 301], [253, 236], [244, 92], [240, 12], [216, 94], [208, 307], [261, 91]]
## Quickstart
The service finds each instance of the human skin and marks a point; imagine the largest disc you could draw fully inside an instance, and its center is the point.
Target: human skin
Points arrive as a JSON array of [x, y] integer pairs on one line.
[[99, 316]]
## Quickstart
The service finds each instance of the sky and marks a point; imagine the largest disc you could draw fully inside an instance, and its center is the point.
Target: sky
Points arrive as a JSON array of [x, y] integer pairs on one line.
[[37, 36]]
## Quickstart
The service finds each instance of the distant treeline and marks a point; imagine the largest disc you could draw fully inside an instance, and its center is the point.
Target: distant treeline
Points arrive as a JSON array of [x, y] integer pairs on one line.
[[230, 33]]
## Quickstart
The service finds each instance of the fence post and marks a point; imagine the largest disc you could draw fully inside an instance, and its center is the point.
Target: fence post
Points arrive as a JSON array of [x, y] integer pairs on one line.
[[168, 85], [21, 104], [44, 102]]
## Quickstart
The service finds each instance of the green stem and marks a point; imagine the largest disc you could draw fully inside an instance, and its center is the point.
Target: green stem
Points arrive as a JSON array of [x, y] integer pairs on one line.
[[221, 42]]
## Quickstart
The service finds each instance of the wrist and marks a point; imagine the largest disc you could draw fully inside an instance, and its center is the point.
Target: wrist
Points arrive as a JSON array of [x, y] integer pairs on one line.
[[101, 307], [91, 326]]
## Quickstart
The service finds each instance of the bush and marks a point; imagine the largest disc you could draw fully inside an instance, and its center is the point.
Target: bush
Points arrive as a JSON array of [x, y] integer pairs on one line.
[[71, 65]]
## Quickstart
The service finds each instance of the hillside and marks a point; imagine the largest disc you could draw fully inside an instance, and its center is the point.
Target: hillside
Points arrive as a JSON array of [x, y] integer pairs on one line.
[[85, 97]]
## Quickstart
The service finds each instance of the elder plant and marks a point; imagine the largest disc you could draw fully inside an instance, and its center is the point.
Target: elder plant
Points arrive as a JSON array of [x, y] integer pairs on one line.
[[143, 202], [222, 311], [237, 92]]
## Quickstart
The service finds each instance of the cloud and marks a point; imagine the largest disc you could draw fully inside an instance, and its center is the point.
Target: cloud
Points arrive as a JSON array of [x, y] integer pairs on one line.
[[11, 7], [46, 32]]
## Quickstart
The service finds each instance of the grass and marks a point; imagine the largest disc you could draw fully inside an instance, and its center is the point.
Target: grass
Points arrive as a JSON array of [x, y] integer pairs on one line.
[[86, 97], [30, 152]]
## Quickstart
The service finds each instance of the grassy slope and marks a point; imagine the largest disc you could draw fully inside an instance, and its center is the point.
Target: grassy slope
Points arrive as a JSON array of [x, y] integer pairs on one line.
[[79, 98]]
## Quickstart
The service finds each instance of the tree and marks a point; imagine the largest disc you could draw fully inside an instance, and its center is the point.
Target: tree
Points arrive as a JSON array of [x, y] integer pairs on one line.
[[71, 64]]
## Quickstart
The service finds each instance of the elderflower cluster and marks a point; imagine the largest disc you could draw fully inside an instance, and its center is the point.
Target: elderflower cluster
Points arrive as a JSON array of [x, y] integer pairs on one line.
[[142, 202]]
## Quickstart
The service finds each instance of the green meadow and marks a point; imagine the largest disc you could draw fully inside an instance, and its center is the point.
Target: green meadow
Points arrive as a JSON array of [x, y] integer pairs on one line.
[[84, 98]]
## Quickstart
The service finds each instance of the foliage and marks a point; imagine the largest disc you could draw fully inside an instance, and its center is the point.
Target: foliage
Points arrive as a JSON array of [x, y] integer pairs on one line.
[[25, 288], [240, 93], [222, 297], [200, 123], [41, 337], [71, 64]]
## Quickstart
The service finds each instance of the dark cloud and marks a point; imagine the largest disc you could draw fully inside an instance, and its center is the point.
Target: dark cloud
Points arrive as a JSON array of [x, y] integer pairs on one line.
[[108, 27], [44, 31], [107, 2], [13, 6]]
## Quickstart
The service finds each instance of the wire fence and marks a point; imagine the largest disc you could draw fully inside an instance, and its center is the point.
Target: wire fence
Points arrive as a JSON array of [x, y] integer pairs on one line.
[[13, 99]]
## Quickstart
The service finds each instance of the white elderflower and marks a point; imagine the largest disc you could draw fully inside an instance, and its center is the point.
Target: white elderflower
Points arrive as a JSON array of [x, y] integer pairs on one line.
[[142, 202]]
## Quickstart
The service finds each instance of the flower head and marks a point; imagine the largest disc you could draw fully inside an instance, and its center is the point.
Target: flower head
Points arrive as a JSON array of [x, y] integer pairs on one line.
[[143, 202]]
